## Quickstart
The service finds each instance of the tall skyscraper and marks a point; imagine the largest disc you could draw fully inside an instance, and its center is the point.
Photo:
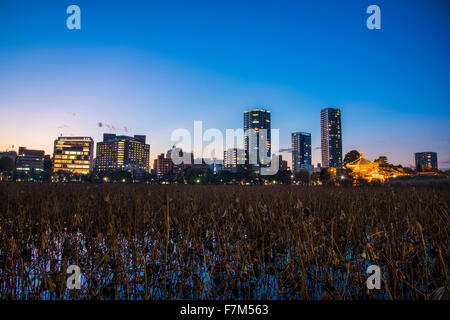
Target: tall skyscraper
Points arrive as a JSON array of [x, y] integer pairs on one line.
[[256, 120], [122, 153], [30, 160], [301, 150], [426, 160], [331, 140], [73, 155]]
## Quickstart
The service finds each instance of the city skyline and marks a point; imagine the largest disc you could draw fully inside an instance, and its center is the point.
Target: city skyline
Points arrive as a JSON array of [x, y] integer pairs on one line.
[[151, 77], [126, 152]]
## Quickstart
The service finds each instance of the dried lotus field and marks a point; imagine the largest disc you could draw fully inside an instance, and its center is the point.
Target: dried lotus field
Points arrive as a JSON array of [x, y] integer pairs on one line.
[[222, 242]]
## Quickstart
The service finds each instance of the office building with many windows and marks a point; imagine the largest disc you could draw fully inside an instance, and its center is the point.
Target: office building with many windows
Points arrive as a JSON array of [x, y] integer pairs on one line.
[[426, 161], [257, 131], [234, 159], [122, 153], [162, 165], [301, 150], [331, 138], [73, 155], [28, 161]]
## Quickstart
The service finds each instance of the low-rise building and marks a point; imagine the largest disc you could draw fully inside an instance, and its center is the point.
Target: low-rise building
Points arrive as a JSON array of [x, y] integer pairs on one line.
[[29, 161]]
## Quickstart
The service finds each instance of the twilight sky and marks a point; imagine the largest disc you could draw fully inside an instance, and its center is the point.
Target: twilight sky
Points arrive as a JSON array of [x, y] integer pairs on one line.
[[150, 67]]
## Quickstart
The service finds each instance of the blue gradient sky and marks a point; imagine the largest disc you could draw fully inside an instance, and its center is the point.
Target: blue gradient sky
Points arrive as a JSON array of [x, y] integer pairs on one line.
[[149, 67]]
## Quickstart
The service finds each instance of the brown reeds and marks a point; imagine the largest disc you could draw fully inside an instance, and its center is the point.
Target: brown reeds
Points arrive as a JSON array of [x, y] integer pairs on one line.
[[221, 242]]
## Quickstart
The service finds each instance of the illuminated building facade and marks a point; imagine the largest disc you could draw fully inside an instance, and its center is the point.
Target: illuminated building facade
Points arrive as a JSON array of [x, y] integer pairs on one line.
[[73, 155], [362, 168], [122, 153], [331, 138], [30, 160], [256, 120], [426, 160], [233, 157], [301, 150], [365, 169]]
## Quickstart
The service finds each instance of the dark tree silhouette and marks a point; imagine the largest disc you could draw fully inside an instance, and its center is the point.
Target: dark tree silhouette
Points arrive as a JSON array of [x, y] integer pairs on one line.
[[382, 161], [302, 176], [194, 176], [315, 177], [284, 176], [225, 176], [48, 165], [325, 175], [6, 164], [351, 156], [121, 176]]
